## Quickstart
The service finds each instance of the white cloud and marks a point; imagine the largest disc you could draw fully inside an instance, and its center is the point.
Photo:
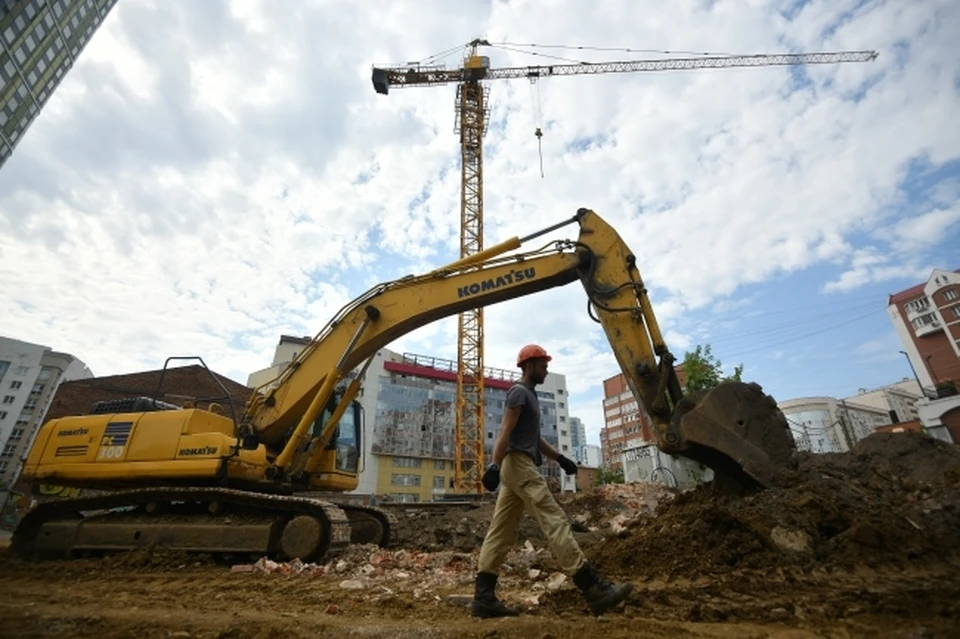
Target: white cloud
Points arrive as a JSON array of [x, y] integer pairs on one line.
[[209, 176]]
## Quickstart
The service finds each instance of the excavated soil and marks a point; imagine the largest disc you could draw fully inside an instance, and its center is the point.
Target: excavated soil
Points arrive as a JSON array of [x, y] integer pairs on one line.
[[863, 544]]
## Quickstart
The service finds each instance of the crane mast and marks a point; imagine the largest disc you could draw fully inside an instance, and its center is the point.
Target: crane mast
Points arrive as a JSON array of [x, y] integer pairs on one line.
[[472, 113], [471, 124]]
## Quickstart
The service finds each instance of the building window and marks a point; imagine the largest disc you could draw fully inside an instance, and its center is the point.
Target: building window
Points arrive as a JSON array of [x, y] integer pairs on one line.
[[16, 433], [3, 414], [398, 479], [439, 464], [8, 450], [956, 311], [16, 385], [8, 399], [951, 295], [438, 481], [407, 462]]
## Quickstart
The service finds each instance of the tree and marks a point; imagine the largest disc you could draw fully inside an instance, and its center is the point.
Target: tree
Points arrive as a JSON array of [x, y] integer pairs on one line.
[[612, 474], [703, 371]]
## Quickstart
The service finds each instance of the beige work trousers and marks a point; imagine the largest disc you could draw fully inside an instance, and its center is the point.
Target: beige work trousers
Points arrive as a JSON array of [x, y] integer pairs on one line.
[[522, 487]]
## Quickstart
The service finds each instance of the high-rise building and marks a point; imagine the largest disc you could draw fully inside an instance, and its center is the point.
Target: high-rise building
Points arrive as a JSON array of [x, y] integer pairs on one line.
[[39, 42], [927, 320], [29, 377], [578, 440], [626, 425]]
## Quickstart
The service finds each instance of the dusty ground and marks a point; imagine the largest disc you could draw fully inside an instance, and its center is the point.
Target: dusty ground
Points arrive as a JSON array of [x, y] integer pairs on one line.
[[859, 545]]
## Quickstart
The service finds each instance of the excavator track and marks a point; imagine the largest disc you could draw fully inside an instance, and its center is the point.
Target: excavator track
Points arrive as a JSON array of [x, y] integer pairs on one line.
[[212, 520], [368, 524]]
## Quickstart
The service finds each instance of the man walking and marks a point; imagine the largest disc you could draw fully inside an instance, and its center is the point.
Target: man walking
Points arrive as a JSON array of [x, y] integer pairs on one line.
[[518, 451]]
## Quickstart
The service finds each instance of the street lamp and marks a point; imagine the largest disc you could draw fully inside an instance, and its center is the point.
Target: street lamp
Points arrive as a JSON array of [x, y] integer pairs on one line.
[[909, 361], [930, 368]]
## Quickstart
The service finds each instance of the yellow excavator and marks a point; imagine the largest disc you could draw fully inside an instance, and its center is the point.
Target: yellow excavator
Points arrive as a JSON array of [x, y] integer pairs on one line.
[[200, 480]]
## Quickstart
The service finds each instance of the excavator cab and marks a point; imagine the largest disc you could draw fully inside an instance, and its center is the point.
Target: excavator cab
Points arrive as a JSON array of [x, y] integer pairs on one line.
[[336, 466], [346, 439]]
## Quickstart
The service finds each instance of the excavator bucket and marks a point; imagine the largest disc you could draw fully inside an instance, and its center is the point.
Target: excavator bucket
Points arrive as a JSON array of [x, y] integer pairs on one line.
[[737, 430]]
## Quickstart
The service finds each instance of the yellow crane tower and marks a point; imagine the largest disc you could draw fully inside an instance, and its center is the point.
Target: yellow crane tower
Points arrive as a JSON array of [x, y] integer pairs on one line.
[[472, 114]]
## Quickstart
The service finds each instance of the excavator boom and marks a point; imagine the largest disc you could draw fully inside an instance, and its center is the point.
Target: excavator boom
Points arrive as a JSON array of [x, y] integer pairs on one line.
[[736, 430]]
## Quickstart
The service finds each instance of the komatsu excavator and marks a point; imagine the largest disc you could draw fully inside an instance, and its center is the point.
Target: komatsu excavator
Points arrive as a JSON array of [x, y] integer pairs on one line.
[[199, 480]]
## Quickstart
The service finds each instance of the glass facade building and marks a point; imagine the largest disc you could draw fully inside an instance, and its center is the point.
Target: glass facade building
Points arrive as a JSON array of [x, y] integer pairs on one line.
[[415, 422], [39, 42]]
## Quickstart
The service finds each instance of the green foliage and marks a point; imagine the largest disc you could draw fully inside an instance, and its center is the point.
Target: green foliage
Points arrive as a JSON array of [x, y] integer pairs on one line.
[[610, 475], [704, 371], [697, 474]]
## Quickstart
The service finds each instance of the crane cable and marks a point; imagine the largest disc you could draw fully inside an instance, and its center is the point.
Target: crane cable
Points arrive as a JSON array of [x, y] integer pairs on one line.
[[537, 116]]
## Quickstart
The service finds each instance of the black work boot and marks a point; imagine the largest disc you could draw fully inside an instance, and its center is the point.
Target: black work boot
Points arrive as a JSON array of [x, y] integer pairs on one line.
[[601, 595], [485, 602]]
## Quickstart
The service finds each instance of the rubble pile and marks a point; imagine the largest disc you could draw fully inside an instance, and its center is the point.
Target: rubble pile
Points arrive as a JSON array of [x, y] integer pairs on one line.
[[604, 510], [892, 502], [611, 508]]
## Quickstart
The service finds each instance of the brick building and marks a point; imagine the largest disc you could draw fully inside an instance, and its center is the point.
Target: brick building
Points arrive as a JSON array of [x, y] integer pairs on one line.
[[179, 385], [625, 424], [927, 320]]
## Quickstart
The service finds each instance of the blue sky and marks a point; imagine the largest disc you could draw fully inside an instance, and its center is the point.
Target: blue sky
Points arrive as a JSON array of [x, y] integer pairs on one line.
[[212, 175]]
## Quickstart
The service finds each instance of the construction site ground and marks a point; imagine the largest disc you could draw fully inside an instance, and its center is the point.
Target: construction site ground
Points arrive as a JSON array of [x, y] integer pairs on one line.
[[861, 544]]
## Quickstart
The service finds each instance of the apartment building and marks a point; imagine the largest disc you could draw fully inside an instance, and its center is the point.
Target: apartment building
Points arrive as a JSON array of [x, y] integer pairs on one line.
[[926, 318], [30, 375], [578, 440], [626, 424], [40, 41]]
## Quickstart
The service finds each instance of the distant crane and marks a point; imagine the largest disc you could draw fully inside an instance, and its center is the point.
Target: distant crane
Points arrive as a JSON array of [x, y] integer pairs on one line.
[[472, 116]]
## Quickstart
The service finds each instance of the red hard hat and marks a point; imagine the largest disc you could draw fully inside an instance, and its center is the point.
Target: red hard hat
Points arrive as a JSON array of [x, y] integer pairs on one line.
[[531, 351]]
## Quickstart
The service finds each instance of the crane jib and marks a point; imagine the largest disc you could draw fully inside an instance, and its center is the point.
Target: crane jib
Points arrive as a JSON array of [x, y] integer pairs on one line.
[[493, 283]]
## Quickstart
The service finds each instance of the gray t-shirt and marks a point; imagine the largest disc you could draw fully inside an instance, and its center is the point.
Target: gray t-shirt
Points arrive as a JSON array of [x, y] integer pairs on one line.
[[525, 436]]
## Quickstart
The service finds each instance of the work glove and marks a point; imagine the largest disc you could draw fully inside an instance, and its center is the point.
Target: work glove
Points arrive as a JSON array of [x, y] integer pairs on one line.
[[491, 478], [568, 465]]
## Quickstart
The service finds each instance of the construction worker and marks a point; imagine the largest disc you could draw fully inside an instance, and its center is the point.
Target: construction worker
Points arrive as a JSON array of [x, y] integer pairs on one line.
[[518, 451]]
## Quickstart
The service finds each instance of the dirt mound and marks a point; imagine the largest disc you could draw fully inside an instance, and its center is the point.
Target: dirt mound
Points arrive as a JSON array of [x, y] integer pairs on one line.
[[891, 502]]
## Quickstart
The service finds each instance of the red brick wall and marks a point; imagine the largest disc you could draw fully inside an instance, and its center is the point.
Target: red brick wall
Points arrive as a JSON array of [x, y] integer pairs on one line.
[[913, 424], [179, 384], [951, 419]]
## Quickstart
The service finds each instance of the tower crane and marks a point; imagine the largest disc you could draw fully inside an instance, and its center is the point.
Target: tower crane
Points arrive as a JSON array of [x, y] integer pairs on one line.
[[472, 115]]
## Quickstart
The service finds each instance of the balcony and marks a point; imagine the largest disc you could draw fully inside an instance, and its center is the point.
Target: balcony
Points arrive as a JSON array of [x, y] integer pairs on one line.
[[914, 310], [927, 329]]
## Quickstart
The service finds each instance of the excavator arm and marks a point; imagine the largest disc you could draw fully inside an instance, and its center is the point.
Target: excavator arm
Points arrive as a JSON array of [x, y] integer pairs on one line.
[[735, 429]]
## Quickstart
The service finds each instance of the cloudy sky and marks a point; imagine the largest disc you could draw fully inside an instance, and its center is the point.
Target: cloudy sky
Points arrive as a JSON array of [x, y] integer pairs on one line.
[[214, 174]]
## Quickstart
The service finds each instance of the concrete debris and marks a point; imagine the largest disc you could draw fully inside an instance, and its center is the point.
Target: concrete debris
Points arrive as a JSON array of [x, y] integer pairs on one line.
[[352, 584], [556, 581], [795, 540]]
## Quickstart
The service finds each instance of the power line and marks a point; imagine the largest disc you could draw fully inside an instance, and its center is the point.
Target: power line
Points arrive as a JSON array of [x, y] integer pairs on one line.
[[788, 327], [804, 336]]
